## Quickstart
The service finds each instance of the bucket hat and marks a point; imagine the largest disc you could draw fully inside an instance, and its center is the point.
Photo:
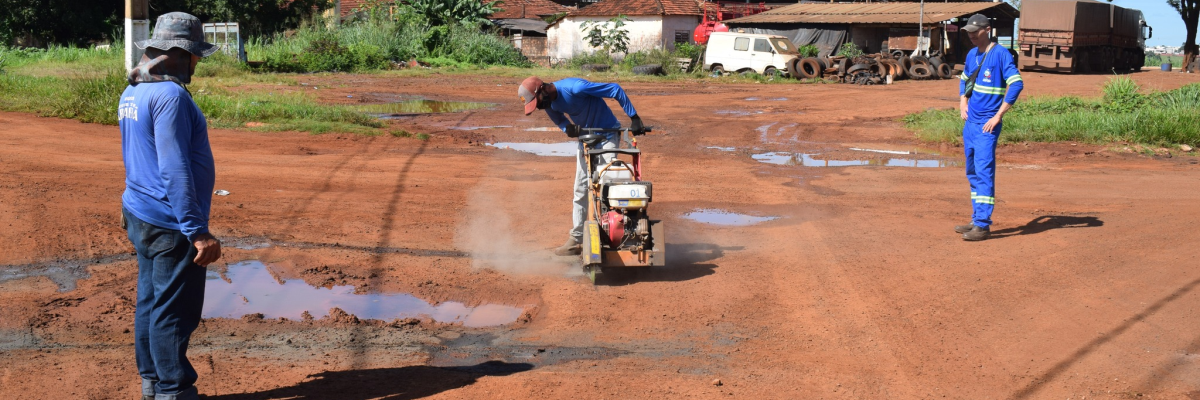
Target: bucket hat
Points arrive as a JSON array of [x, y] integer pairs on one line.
[[182, 30]]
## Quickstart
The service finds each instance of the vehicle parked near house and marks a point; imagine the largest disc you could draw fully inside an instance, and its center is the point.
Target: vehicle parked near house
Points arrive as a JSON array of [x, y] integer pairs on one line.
[[744, 52]]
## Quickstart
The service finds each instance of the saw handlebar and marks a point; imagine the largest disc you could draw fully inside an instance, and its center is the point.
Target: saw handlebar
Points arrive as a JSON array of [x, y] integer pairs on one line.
[[605, 130]]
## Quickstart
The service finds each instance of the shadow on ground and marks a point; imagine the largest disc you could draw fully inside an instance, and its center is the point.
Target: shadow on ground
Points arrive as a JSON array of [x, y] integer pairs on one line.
[[685, 261], [1048, 222], [403, 383]]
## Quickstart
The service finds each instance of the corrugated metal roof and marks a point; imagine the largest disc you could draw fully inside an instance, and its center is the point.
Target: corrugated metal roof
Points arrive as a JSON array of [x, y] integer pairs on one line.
[[874, 13]]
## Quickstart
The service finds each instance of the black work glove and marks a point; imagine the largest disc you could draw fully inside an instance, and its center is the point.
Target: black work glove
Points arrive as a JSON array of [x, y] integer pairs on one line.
[[573, 130], [636, 125]]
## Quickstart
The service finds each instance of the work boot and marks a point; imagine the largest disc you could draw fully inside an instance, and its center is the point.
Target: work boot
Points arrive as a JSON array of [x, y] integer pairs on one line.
[[570, 248], [964, 228], [977, 234]]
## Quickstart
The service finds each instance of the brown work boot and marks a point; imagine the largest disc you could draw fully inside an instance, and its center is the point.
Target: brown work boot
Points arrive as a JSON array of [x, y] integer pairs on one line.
[[964, 228], [977, 234], [570, 248]]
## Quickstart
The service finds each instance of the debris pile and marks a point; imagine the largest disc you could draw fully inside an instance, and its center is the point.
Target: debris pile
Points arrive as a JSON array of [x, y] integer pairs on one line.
[[873, 69]]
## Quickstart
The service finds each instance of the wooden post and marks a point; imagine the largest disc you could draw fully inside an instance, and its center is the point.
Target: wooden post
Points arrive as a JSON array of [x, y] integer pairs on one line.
[[137, 28]]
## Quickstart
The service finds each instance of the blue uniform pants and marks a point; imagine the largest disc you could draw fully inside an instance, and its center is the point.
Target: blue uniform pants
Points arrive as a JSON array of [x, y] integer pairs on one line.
[[980, 150], [170, 298]]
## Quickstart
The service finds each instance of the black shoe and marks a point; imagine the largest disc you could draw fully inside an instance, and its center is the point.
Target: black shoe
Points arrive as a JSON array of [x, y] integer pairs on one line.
[[977, 234], [964, 228]]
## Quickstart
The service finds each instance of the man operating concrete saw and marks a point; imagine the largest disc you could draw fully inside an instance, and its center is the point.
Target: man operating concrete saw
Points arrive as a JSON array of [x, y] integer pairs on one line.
[[572, 104]]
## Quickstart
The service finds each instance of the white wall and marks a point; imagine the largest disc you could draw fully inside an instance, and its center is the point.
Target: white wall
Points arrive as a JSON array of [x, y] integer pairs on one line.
[[566, 39]]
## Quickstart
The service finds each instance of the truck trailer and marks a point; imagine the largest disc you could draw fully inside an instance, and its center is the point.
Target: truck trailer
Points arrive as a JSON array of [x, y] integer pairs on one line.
[[1081, 36]]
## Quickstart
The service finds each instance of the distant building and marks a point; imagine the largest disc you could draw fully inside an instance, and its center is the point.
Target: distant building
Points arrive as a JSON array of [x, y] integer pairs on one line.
[[653, 24]]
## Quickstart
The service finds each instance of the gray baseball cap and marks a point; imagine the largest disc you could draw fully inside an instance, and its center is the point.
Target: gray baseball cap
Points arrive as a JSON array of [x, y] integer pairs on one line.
[[977, 22], [182, 30]]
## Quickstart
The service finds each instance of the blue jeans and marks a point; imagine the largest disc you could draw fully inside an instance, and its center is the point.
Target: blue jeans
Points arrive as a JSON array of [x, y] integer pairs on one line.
[[170, 297]]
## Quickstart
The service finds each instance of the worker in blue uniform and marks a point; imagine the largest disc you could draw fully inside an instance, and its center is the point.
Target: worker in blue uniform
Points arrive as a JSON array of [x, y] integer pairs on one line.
[[583, 102], [990, 85]]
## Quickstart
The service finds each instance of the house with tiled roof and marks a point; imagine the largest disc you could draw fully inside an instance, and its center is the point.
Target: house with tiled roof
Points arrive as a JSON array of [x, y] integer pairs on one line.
[[653, 24]]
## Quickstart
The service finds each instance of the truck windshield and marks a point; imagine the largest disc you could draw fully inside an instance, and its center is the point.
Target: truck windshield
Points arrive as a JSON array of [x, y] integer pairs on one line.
[[783, 46]]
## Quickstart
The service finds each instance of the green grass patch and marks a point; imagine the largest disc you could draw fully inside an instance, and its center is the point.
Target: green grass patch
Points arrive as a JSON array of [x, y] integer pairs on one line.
[[1123, 114]]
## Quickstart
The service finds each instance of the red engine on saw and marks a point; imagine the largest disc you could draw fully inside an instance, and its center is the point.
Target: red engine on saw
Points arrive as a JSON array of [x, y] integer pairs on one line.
[[614, 226]]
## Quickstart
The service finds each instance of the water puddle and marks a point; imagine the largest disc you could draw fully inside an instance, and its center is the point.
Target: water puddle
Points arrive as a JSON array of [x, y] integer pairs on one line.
[[722, 217], [770, 134], [740, 113], [564, 149], [251, 288], [721, 148], [408, 108], [808, 160], [475, 128]]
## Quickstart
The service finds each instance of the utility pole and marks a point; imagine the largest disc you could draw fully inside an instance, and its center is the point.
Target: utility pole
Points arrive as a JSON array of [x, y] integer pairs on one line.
[[921, 31], [137, 28]]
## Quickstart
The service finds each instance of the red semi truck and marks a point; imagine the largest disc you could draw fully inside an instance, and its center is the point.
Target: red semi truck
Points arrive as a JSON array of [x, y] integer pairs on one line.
[[1081, 36]]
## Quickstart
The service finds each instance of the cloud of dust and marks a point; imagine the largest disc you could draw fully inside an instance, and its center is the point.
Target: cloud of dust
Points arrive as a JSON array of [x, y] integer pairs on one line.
[[495, 223]]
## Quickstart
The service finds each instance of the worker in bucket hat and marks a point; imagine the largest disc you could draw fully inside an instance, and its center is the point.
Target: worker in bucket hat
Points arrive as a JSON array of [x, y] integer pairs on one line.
[[169, 179], [583, 102]]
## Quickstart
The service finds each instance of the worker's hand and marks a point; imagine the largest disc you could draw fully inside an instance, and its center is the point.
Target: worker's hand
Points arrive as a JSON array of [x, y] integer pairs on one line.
[[208, 249], [636, 126], [573, 130], [991, 124], [962, 109]]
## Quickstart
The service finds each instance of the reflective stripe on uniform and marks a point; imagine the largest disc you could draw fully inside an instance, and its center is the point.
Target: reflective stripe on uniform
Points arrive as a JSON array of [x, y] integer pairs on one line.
[[990, 90], [963, 76], [984, 199], [1014, 78]]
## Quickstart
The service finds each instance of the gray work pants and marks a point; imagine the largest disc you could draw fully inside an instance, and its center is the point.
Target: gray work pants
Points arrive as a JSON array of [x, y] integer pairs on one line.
[[579, 208]]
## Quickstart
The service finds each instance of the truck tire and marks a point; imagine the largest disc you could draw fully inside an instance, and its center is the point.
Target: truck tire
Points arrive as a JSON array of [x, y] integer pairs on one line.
[[793, 67], [897, 54], [944, 71], [935, 62], [920, 60], [857, 67], [595, 67], [649, 69], [772, 72], [920, 71], [716, 70], [905, 65], [810, 68]]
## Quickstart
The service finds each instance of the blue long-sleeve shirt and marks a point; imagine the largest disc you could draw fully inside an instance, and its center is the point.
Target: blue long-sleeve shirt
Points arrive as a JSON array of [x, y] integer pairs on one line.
[[583, 102], [169, 173], [998, 82]]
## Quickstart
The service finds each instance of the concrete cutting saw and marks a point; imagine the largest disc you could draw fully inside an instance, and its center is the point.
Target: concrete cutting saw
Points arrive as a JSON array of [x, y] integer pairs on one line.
[[618, 234]]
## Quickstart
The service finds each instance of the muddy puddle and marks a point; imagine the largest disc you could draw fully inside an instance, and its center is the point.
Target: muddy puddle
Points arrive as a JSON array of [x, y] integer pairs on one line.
[[409, 108], [811, 160], [249, 288], [719, 148], [564, 149], [722, 217]]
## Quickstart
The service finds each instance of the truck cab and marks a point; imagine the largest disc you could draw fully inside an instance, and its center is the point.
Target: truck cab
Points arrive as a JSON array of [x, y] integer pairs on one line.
[[744, 52]]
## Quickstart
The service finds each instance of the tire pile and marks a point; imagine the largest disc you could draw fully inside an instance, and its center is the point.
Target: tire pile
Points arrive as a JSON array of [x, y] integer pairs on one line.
[[871, 69]]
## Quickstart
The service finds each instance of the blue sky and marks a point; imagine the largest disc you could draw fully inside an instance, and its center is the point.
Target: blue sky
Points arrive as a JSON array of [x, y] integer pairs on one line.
[[1168, 26]]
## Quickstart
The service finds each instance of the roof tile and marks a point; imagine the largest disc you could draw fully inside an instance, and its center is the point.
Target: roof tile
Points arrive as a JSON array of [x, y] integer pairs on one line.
[[606, 8]]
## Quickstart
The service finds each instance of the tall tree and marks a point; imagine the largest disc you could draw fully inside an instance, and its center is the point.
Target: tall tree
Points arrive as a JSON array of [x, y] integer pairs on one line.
[[1189, 10]]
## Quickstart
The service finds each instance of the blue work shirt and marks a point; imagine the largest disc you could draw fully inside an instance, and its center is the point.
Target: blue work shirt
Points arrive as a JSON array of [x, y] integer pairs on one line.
[[998, 82], [583, 102], [169, 173]]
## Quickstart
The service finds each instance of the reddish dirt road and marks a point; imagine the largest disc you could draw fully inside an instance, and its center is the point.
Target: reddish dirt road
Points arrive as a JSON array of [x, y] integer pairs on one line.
[[859, 289]]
